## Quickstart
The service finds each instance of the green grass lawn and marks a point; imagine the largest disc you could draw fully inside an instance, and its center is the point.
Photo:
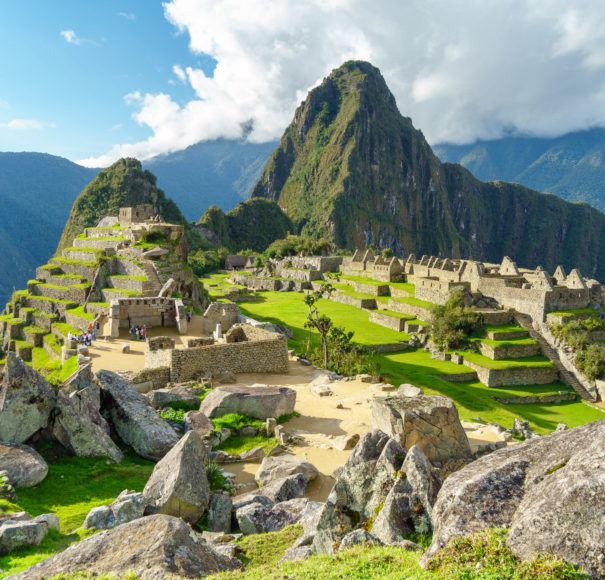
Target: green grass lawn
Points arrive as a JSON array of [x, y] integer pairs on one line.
[[397, 314], [506, 342], [288, 308], [405, 286], [506, 363], [364, 280], [414, 302], [502, 328]]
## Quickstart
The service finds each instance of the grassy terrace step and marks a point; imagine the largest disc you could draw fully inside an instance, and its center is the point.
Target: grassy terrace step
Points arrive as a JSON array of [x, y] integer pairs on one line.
[[126, 277], [55, 300], [63, 329], [512, 363], [564, 316], [79, 311], [504, 331], [414, 302], [120, 291], [522, 341], [349, 291], [394, 314], [73, 261], [11, 320]]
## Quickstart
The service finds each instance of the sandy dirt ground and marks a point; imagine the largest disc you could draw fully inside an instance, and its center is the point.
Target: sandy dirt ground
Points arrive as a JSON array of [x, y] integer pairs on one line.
[[320, 420]]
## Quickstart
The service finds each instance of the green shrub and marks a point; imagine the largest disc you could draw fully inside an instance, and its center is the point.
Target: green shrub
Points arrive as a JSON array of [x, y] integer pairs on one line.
[[216, 479], [452, 324], [591, 361]]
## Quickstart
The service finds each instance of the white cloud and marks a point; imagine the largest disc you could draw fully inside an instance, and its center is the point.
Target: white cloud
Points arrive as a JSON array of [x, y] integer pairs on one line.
[[462, 70], [29, 124], [127, 15], [70, 36]]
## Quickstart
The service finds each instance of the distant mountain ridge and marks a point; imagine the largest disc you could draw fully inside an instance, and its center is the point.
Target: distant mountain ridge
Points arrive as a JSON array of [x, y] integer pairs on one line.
[[352, 168], [571, 166]]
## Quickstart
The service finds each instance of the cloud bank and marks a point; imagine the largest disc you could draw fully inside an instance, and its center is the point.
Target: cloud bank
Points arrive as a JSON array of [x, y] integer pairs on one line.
[[463, 70]]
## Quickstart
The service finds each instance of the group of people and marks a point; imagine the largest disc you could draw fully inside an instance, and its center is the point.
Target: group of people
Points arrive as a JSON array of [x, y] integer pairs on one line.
[[84, 338], [138, 332]]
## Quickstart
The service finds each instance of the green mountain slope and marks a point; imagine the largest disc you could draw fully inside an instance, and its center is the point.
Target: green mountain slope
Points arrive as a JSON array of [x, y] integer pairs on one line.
[[220, 172], [351, 167], [572, 165], [36, 193], [123, 184], [252, 225]]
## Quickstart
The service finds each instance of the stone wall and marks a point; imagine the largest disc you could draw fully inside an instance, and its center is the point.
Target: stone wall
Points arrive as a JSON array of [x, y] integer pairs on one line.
[[159, 376], [392, 322], [369, 303], [514, 376], [320, 263], [300, 275], [269, 355], [255, 283], [373, 289], [222, 313], [537, 399], [436, 291], [505, 351], [411, 309]]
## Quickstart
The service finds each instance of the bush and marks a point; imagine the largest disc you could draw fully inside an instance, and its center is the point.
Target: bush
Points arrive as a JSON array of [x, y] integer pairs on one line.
[[204, 261], [591, 361], [216, 480], [451, 325], [575, 333]]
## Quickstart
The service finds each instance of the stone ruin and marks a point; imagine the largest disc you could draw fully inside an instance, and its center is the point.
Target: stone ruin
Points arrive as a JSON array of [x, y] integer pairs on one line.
[[371, 266]]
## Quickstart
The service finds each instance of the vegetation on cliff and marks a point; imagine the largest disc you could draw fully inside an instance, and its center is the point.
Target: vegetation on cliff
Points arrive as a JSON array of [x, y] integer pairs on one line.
[[123, 184], [351, 167], [253, 224]]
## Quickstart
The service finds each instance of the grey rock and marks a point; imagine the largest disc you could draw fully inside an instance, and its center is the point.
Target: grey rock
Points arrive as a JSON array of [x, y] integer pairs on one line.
[[178, 485], [247, 499], [273, 468], [277, 490], [128, 506], [23, 465], [226, 378], [74, 429], [248, 431], [135, 420], [256, 518], [163, 397], [254, 455], [198, 422], [16, 534], [407, 390], [228, 549], [549, 492], [358, 537], [345, 442], [219, 513], [26, 401], [270, 426], [260, 402], [362, 487], [154, 547], [296, 554], [428, 421]]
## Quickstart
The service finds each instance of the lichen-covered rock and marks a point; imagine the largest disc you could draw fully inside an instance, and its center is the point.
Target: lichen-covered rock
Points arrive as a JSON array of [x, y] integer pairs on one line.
[[160, 398], [260, 402], [409, 504], [74, 430], [135, 420], [273, 468], [549, 492], [151, 548], [16, 533], [198, 422], [178, 485], [360, 536], [282, 489], [219, 513], [24, 466], [255, 518], [128, 506], [26, 401], [361, 488], [431, 422]]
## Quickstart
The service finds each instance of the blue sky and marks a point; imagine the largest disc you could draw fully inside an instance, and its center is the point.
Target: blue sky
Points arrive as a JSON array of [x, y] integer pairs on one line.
[[97, 80], [73, 92]]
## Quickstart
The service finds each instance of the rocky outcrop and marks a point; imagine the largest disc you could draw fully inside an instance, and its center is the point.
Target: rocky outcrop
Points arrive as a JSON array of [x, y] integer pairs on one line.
[[151, 548], [128, 506], [178, 485], [198, 422], [273, 468], [23, 465], [26, 401], [163, 397], [135, 420], [74, 429], [256, 518], [258, 401], [549, 492], [428, 421], [279, 490], [362, 487], [219, 512]]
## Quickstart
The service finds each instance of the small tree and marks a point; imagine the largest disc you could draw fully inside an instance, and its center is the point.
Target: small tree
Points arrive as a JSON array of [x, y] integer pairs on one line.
[[320, 322], [387, 253]]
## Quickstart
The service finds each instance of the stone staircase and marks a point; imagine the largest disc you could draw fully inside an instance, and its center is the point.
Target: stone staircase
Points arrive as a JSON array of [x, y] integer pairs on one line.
[[154, 283], [566, 375]]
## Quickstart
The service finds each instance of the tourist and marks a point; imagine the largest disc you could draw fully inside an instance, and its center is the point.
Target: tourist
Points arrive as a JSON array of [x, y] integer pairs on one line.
[[70, 336], [133, 331], [188, 316]]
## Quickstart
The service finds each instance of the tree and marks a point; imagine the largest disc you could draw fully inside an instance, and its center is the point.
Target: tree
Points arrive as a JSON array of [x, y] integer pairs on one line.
[[387, 253], [320, 322]]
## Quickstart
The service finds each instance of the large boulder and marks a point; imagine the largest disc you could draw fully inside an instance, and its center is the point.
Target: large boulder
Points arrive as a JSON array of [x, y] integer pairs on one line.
[[178, 485], [26, 401], [256, 518], [361, 489], [128, 506], [549, 492], [428, 421], [24, 466], [279, 490], [258, 401], [150, 548], [136, 421], [219, 513], [409, 504], [77, 432], [273, 468]]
